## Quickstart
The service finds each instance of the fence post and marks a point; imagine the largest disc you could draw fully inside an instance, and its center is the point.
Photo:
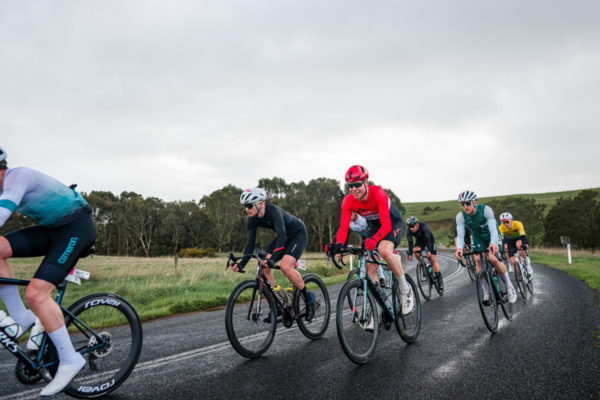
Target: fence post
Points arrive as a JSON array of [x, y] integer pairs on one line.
[[569, 252], [175, 259]]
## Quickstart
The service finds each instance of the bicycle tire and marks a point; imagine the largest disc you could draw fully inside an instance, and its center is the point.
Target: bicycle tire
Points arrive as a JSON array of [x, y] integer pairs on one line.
[[507, 307], [423, 280], [491, 321], [353, 274], [471, 268], [408, 326], [248, 332], [357, 321], [115, 320], [520, 280], [318, 325]]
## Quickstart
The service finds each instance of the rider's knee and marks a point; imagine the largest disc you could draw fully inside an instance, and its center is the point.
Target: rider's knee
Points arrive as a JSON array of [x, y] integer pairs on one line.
[[5, 249], [37, 292]]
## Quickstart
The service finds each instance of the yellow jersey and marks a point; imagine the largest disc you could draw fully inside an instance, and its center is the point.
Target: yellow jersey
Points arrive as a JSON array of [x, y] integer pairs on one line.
[[513, 233]]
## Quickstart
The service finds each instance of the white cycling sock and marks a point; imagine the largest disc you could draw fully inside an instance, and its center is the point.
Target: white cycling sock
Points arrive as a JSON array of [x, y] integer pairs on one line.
[[528, 261], [14, 304], [66, 352], [404, 287], [506, 278]]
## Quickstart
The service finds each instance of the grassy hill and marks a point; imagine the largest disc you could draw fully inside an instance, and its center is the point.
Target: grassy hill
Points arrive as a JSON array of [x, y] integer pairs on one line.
[[440, 215]]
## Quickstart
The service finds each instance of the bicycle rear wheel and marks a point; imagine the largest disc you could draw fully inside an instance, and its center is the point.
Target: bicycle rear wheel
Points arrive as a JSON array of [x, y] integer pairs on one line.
[[315, 328], [409, 325], [423, 280], [357, 321], [247, 322], [107, 331], [489, 309], [507, 308]]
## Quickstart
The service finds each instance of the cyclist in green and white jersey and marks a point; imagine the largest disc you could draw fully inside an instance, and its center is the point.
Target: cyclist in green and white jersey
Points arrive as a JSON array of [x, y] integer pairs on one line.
[[485, 234], [66, 229]]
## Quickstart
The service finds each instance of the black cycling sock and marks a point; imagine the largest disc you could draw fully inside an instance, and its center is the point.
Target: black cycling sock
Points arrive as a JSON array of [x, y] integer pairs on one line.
[[304, 292]]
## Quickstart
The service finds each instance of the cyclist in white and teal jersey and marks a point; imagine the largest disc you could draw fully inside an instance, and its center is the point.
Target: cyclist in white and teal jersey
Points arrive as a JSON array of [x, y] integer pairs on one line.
[[484, 230], [65, 229]]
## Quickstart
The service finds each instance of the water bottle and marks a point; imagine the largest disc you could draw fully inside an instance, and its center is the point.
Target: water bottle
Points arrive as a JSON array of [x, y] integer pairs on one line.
[[289, 296], [12, 329], [429, 269], [36, 335], [495, 279]]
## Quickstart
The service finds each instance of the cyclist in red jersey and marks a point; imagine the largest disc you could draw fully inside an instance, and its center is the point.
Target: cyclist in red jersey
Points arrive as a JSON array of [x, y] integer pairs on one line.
[[385, 227]]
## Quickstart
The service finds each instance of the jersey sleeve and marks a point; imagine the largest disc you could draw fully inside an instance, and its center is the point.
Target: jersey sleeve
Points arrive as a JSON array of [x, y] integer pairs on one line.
[[383, 206], [521, 228], [342, 233], [249, 243], [492, 226], [409, 239], [460, 231], [279, 225], [13, 189]]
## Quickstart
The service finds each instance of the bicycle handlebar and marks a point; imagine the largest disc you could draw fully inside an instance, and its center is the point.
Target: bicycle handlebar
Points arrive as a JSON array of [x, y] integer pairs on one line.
[[357, 251]]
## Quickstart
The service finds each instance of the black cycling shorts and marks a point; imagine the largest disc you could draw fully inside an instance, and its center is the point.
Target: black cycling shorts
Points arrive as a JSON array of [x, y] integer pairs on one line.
[[61, 246], [294, 246], [395, 235], [430, 245], [512, 245]]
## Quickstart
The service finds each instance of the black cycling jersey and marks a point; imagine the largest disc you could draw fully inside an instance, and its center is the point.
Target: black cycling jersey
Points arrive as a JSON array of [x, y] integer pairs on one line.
[[423, 236], [283, 223], [467, 234]]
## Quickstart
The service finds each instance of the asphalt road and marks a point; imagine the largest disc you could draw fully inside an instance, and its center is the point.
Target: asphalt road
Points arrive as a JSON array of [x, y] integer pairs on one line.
[[547, 351]]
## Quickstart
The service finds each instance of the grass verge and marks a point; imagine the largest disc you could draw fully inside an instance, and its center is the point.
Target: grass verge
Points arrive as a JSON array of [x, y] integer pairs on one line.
[[156, 289]]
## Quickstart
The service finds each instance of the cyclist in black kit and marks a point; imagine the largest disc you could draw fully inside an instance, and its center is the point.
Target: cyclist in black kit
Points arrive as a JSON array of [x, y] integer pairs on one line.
[[288, 246], [424, 238]]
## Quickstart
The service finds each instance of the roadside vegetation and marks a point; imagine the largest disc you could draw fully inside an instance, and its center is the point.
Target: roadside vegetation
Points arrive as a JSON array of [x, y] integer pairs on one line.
[[156, 289]]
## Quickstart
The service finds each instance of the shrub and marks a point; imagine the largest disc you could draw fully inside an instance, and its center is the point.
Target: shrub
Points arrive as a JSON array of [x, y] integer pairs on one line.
[[197, 253]]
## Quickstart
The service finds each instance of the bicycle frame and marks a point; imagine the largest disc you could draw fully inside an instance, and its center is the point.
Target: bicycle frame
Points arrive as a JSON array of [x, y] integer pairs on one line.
[[369, 285], [37, 364], [486, 267]]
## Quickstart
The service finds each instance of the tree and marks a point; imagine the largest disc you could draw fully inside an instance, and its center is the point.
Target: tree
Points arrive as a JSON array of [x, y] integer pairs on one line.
[[222, 209], [577, 218]]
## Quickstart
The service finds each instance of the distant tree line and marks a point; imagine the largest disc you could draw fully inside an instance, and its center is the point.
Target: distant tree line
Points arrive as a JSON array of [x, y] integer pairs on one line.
[[131, 225]]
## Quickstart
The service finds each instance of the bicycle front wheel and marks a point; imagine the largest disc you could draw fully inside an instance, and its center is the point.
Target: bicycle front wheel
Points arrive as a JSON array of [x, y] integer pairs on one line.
[[250, 319], [409, 325], [521, 285], [357, 321], [489, 307], [106, 330], [423, 280], [315, 328], [471, 268], [507, 308]]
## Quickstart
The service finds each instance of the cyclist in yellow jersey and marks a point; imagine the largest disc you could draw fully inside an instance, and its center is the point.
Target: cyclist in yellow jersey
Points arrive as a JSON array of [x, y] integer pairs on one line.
[[514, 239]]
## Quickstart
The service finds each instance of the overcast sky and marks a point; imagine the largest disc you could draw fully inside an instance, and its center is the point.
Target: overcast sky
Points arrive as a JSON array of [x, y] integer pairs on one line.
[[176, 99]]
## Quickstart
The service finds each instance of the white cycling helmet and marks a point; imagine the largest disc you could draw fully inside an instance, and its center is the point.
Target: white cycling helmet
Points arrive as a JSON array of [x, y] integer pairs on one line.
[[506, 217], [360, 225], [254, 195], [467, 195], [2, 158]]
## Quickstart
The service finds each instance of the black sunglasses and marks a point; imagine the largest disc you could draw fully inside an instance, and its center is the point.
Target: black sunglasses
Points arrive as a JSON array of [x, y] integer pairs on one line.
[[466, 203], [355, 184], [412, 226], [248, 206]]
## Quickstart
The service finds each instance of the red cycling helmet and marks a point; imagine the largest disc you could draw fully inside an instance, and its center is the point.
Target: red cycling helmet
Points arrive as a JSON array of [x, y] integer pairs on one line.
[[357, 173]]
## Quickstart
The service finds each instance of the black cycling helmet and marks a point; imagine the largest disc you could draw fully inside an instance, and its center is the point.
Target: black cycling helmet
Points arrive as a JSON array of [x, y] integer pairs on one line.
[[2, 158]]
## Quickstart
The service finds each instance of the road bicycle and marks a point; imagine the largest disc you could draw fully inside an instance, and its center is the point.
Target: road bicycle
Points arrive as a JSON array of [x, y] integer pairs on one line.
[[357, 315], [425, 275], [522, 277], [469, 264], [498, 294], [104, 328], [255, 307]]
